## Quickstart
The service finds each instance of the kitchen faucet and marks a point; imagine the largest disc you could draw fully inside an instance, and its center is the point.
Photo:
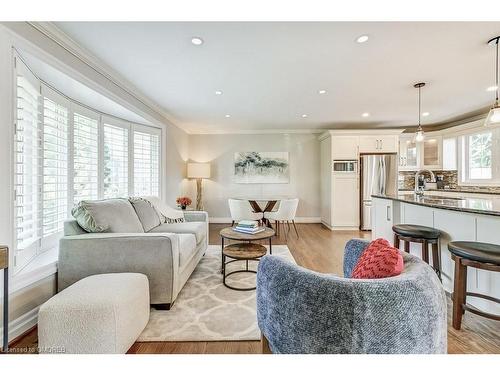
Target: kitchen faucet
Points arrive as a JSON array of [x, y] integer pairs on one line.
[[420, 190]]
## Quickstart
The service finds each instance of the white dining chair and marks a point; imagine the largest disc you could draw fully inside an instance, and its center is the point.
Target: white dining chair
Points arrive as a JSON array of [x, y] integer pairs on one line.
[[241, 210], [285, 214]]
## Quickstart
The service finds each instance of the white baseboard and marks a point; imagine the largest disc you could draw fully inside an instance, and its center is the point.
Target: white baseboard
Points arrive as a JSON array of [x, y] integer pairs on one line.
[[301, 220], [21, 324]]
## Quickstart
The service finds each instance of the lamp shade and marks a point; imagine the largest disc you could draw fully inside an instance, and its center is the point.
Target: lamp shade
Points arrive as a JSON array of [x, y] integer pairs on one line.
[[493, 117], [198, 170]]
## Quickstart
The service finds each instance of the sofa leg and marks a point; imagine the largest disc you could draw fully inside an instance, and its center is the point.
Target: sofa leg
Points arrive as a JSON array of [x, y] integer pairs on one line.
[[265, 345], [163, 306]]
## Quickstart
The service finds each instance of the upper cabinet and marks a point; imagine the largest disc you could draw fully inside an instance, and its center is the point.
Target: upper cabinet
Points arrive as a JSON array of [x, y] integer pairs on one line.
[[378, 144], [421, 155], [408, 155], [345, 147], [432, 152]]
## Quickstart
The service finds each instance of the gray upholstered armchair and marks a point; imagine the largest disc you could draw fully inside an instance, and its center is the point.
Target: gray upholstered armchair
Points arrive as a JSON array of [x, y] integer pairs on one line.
[[301, 311]]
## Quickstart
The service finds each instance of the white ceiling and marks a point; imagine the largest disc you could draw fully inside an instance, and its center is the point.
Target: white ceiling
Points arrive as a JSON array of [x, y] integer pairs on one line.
[[270, 73]]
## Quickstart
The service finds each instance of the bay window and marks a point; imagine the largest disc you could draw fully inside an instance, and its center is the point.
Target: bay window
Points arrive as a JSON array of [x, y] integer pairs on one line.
[[65, 153]]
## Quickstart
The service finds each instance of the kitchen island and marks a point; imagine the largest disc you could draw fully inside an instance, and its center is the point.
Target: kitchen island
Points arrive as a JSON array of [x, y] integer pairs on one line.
[[459, 218]]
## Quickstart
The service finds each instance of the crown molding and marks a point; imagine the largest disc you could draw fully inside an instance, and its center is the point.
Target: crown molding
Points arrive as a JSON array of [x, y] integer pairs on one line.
[[55, 34], [255, 131]]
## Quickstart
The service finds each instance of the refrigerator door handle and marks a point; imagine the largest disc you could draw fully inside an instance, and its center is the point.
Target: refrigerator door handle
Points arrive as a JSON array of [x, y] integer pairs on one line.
[[388, 213]]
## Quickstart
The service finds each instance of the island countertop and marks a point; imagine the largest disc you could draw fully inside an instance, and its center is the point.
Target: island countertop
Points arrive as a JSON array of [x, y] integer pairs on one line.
[[486, 206]]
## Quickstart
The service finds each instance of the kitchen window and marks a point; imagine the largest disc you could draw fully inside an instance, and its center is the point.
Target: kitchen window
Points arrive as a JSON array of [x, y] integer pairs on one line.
[[480, 158], [65, 153]]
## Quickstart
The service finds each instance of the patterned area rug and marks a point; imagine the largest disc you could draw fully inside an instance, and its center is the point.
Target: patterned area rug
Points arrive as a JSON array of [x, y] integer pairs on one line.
[[206, 310]]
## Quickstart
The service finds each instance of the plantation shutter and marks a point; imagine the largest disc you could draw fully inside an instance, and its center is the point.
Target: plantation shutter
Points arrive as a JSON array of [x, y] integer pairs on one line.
[[55, 162], [146, 162], [85, 156], [115, 157], [28, 154]]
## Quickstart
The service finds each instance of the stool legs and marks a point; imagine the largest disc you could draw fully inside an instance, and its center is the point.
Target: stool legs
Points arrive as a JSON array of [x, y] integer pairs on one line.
[[459, 293], [425, 251], [407, 247], [396, 241], [436, 262]]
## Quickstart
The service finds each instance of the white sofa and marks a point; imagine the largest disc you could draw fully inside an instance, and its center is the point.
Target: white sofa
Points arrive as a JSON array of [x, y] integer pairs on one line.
[[167, 253]]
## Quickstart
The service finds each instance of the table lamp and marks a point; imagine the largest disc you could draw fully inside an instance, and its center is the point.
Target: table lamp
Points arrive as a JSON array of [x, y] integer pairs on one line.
[[199, 171]]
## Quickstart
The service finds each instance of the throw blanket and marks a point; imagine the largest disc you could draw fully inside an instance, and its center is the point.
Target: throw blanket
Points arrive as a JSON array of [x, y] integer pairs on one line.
[[165, 210]]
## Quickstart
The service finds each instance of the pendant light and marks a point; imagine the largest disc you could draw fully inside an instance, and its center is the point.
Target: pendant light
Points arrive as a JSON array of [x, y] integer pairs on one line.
[[494, 115], [419, 135]]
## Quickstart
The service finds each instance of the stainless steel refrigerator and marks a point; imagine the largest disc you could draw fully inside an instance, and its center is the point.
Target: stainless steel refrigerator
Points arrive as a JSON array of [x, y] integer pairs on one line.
[[379, 175]]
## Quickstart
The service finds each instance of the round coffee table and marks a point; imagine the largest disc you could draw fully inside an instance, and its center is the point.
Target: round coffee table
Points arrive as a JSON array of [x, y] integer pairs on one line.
[[230, 234], [241, 252]]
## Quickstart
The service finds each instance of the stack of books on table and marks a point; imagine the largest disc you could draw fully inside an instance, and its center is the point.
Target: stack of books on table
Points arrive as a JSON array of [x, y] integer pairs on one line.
[[248, 227]]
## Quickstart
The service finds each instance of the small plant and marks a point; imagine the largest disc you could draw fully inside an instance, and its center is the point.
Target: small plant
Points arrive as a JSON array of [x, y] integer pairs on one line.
[[183, 202]]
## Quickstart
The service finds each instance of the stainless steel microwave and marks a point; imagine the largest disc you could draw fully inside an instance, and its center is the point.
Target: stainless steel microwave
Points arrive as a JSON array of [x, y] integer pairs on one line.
[[345, 166]]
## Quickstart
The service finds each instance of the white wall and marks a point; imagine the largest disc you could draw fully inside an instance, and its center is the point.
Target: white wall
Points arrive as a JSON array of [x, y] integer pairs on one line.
[[219, 149]]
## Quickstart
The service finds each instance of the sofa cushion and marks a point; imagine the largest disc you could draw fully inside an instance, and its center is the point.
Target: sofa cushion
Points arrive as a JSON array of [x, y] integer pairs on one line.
[[379, 260], [197, 228], [148, 215], [187, 248], [108, 215]]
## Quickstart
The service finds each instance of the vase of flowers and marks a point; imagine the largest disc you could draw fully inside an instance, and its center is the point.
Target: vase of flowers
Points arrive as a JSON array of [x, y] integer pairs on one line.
[[183, 202]]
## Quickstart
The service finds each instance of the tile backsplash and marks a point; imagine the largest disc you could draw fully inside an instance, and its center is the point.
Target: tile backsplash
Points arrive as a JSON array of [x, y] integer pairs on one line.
[[406, 181]]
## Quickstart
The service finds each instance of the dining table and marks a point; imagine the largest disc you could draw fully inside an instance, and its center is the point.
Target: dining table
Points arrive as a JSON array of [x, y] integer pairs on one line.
[[263, 205]]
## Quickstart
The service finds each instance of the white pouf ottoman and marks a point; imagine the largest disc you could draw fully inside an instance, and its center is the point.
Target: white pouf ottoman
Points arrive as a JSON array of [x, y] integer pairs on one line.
[[99, 314]]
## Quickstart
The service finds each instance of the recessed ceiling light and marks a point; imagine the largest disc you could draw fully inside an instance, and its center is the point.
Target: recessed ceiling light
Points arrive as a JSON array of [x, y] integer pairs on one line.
[[304, 116], [366, 114], [491, 88], [425, 114], [362, 39], [196, 40], [321, 92], [227, 116], [218, 92]]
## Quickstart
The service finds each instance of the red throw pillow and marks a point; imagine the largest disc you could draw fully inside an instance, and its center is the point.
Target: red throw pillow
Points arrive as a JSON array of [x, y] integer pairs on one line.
[[379, 260]]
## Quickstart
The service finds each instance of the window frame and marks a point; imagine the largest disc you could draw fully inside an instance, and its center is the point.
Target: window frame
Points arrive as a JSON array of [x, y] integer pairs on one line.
[[463, 157]]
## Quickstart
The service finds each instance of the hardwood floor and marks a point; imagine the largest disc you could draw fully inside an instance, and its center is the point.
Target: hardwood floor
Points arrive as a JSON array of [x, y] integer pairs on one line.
[[321, 250]]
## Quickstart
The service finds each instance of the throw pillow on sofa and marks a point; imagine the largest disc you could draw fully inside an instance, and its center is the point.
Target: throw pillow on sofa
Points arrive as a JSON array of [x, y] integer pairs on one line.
[[379, 260], [108, 215], [148, 215]]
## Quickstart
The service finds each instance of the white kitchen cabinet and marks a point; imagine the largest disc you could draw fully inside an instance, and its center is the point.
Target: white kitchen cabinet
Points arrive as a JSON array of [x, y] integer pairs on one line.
[[345, 210], [378, 144], [345, 147], [450, 154], [382, 219], [408, 154], [431, 156]]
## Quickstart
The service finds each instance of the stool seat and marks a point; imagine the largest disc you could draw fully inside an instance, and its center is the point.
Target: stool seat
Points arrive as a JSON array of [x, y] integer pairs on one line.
[[416, 231], [477, 251]]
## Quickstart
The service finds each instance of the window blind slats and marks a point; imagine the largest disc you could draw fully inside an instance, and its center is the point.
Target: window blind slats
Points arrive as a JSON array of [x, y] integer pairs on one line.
[[115, 161], [146, 163], [55, 162], [27, 144], [85, 158]]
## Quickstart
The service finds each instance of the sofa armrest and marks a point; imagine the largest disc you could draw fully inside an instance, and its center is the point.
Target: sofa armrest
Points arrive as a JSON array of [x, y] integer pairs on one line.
[[155, 255], [196, 216]]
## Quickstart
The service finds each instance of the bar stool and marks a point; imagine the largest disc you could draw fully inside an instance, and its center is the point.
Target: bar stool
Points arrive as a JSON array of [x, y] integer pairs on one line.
[[420, 234], [485, 256]]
